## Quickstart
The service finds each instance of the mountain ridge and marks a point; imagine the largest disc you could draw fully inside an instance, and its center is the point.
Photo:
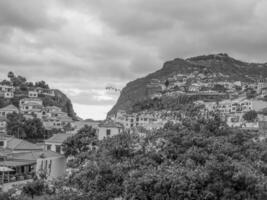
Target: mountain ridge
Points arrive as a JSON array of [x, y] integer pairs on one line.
[[227, 68]]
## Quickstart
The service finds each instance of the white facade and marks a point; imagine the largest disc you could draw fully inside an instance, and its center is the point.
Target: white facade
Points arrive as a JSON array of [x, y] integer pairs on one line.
[[30, 105], [54, 167], [104, 132], [54, 146], [7, 88], [32, 94], [8, 110], [8, 95]]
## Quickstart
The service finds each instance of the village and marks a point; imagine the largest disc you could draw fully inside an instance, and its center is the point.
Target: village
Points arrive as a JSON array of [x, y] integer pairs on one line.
[[22, 160], [213, 94]]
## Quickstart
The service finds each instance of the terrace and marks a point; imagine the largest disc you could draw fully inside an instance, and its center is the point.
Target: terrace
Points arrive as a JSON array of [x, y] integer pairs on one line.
[[16, 170]]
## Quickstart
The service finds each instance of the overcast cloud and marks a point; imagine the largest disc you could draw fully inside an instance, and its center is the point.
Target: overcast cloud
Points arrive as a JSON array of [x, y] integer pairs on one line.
[[82, 46]]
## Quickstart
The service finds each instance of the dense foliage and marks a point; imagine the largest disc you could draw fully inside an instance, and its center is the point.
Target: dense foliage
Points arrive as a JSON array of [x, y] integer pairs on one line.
[[20, 127], [250, 116], [84, 140], [197, 160]]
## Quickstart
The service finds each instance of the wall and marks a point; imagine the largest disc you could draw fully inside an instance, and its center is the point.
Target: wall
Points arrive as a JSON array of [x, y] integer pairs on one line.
[[102, 132], [57, 168]]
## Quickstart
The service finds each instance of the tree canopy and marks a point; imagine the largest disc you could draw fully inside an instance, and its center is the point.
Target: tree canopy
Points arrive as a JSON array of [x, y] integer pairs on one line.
[[177, 162], [250, 116], [206, 161], [20, 127]]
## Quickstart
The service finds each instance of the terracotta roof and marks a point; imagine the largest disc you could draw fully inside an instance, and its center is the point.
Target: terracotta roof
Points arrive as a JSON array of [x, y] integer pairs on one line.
[[34, 155], [18, 144], [58, 138], [12, 163], [10, 107]]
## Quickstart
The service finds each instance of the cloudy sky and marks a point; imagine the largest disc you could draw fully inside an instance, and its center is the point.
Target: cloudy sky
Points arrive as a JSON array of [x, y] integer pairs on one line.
[[82, 46]]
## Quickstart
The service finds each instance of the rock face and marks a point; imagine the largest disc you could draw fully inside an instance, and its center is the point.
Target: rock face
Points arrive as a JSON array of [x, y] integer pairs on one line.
[[224, 66]]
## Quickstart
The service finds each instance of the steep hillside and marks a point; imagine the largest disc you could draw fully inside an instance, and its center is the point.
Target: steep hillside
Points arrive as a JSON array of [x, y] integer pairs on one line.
[[22, 88], [222, 65]]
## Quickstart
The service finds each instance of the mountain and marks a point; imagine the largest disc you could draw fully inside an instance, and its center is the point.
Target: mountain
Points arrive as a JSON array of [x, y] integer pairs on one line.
[[221, 66]]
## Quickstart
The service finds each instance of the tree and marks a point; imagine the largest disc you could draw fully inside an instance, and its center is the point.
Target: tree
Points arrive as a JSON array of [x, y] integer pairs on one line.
[[15, 125], [19, 80], [34, 129], [80, 142], [250, 116], [42, 84], [10, 75], [167, 83], [35, 188], [30, 129]]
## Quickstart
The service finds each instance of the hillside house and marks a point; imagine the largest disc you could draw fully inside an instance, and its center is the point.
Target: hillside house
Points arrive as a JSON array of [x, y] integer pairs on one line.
[[32, 94], [261, 83], [194, 87], [7, 88], [27, 160], [108, 128], [52, 123], [47, 92], [55, 142], [7, 95], [30, 105], [8, 110]]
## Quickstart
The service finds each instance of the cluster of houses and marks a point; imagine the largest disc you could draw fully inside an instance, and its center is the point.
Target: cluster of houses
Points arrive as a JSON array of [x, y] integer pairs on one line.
[[8, 91], [52, 117], [204, 84], [147, 119], [22, 161], [232, 104]]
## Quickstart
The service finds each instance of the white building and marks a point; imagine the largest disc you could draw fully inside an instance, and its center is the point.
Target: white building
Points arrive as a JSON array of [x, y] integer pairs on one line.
[[32, 94], [55, 142], [108, 129], [30, 105], [8, 110]]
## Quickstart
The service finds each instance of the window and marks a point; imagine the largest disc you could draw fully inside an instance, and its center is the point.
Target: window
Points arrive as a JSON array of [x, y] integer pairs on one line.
[[48, 147], [58, 148], [2, 143], [108, 132]]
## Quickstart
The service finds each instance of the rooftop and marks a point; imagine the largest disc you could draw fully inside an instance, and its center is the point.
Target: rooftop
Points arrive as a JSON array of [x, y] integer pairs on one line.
[[18, 144], [110, 124], [58, 138], [9, 107]]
